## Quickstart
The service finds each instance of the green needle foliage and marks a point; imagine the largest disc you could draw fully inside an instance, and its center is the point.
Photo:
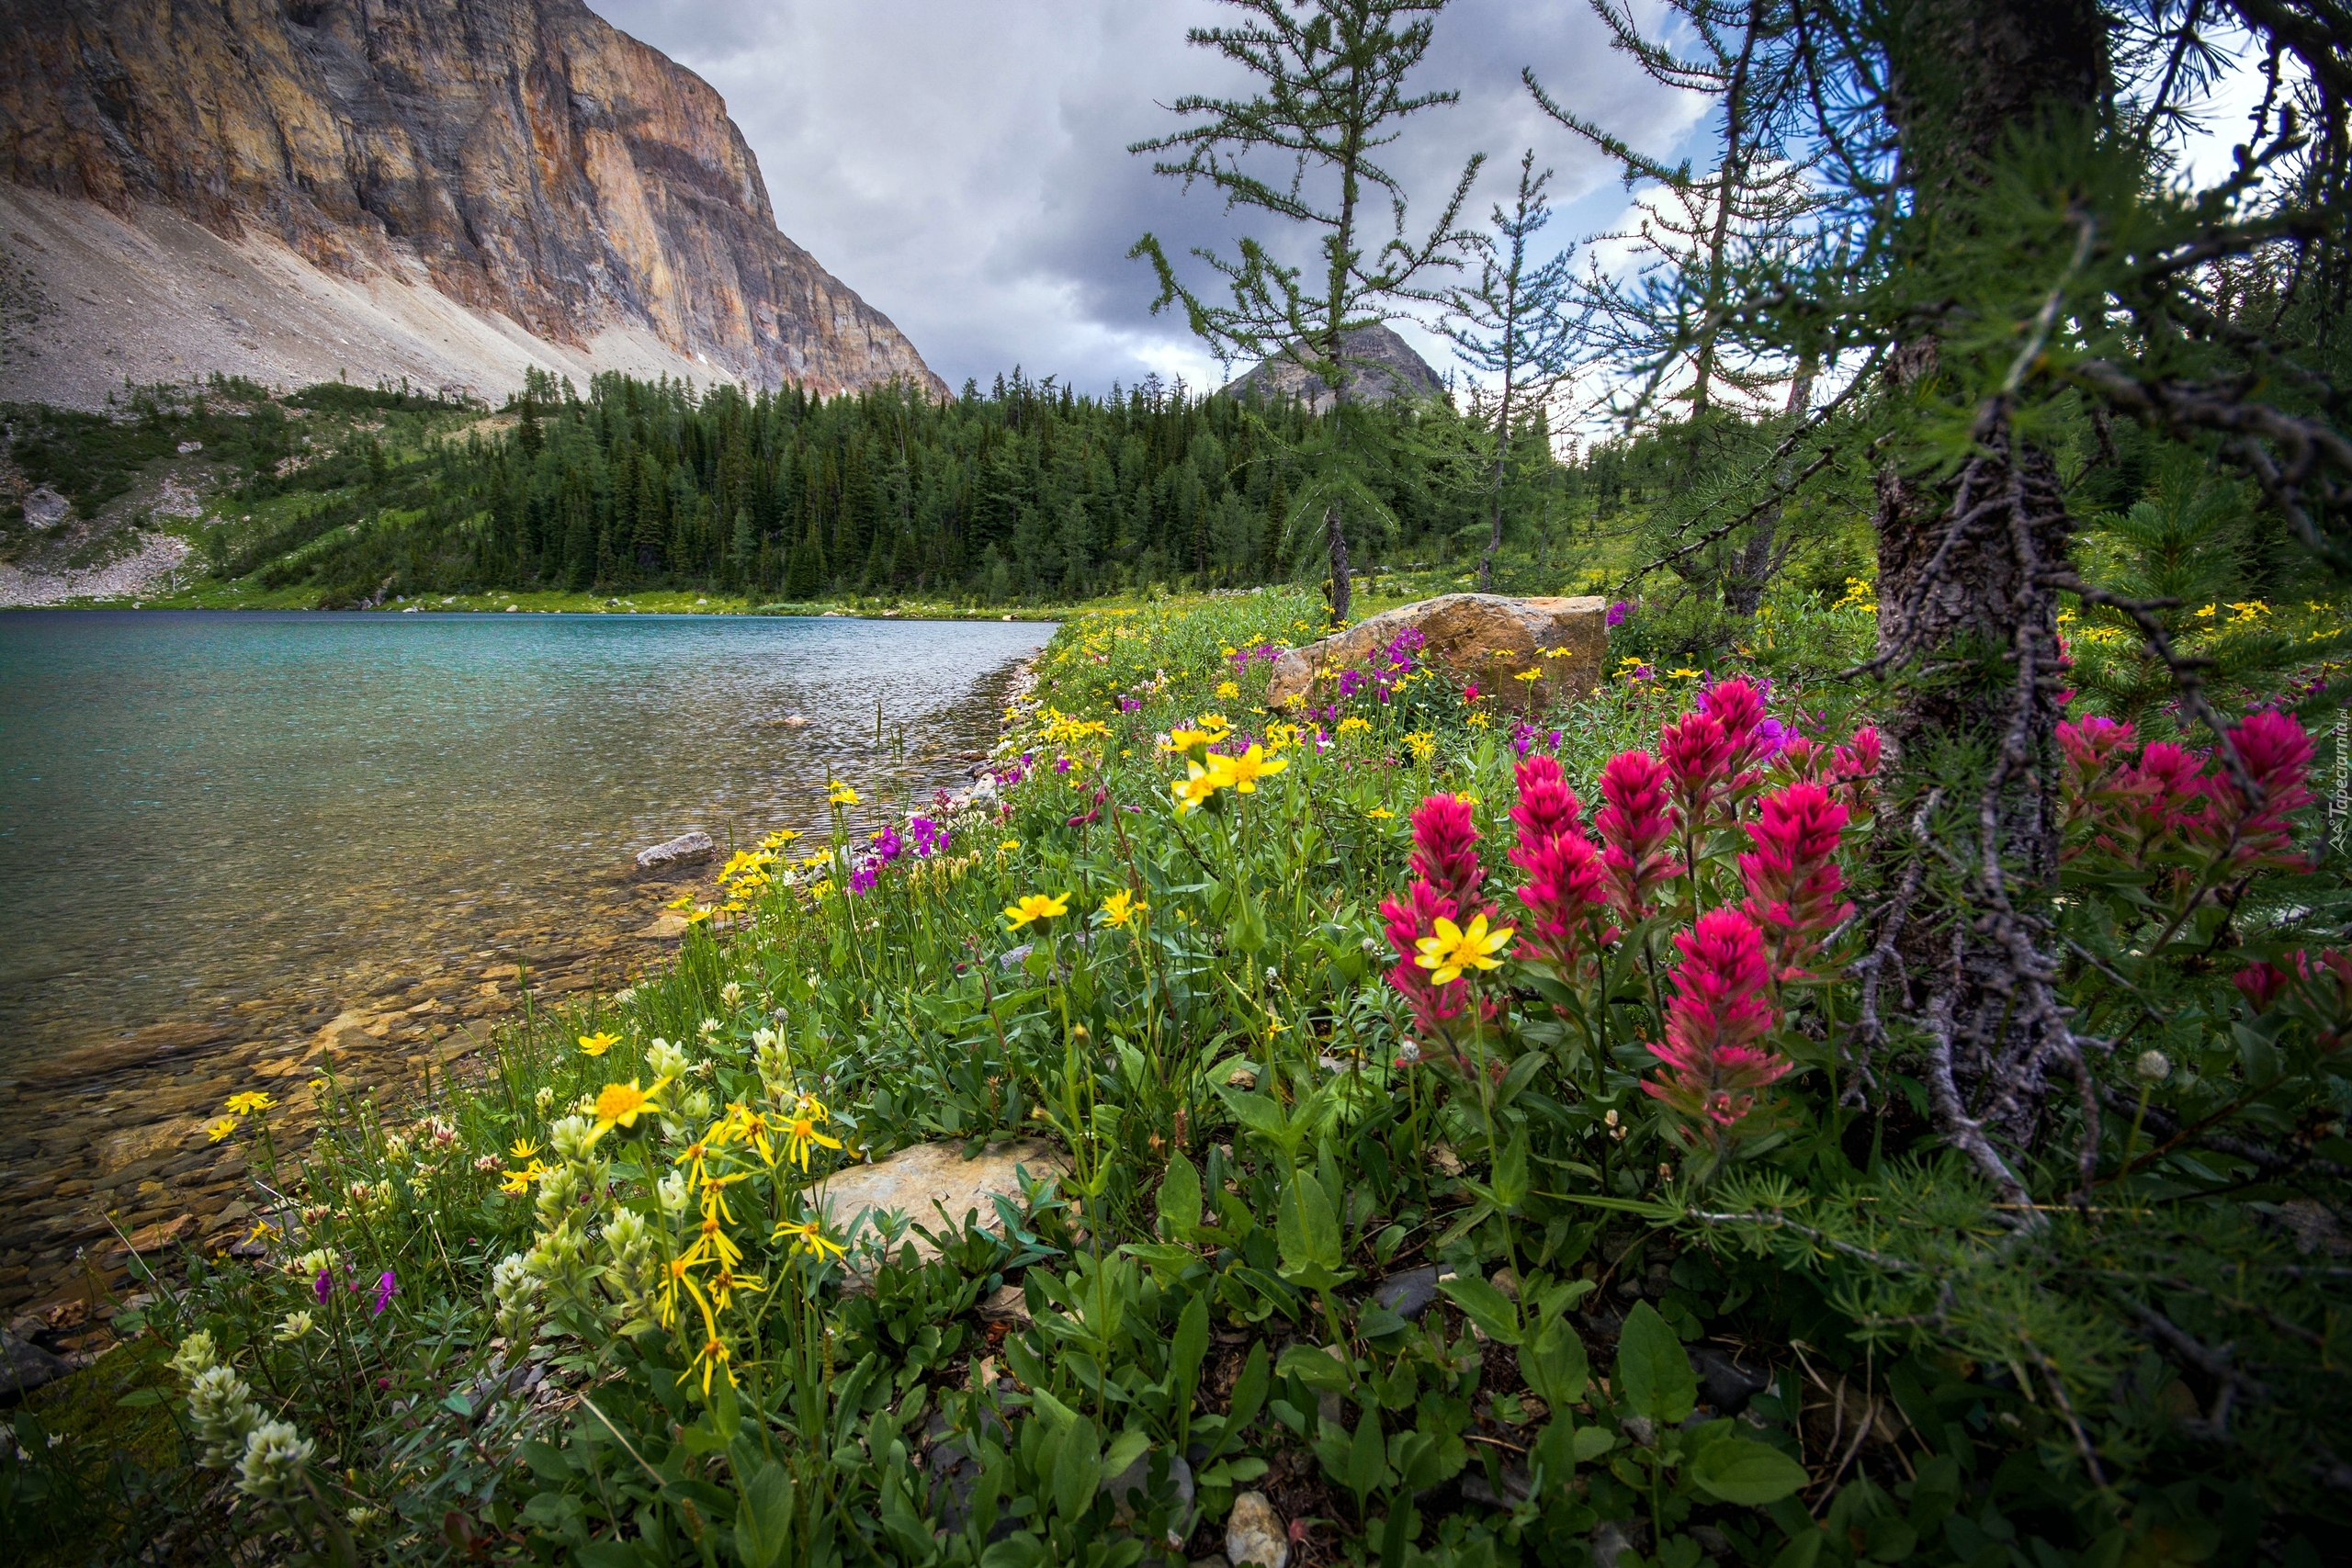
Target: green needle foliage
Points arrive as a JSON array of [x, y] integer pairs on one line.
[[1304, 150]]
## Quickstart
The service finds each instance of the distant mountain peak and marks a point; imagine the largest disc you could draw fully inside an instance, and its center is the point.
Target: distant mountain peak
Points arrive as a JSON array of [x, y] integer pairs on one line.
[[1381, 366], [449, 190]]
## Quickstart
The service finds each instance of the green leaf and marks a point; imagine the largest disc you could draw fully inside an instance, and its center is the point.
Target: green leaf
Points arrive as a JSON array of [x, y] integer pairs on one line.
[[1255, 1112], [1591, 1443], [1367, 1458], [1509, 1183], [138, 1398], [606, 1554], [1522, 1073], [1126, 1448], [1555, 1365], [1078, 1468], [1180, 1199], [1316, 1368], [1308, 1233], [1652, 1370], [1486, 1306], [1187, 1350], [763, 1516], [1734, 1470]]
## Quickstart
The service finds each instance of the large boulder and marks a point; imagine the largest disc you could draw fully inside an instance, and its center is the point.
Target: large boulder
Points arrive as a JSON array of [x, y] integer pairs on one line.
[[1483, 637], [911, 1180], [675, 854]]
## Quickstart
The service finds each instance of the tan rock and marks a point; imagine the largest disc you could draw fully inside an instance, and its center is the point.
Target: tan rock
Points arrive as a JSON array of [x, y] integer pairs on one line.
[[668, 925], [1255, 1533], [150, 1240], [1480, 636], [915, 1179], [348, 1032]]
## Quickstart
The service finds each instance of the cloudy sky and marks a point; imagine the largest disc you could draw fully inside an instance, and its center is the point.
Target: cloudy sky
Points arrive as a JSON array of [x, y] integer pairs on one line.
[[965, 167]]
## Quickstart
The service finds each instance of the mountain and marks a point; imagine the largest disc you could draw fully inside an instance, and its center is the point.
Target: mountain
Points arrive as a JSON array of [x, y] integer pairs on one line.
[[451, 191], [1383, 366]]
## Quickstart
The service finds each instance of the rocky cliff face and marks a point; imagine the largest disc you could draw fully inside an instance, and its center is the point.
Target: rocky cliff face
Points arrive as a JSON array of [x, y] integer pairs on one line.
[[521, 159], [1382, 364]]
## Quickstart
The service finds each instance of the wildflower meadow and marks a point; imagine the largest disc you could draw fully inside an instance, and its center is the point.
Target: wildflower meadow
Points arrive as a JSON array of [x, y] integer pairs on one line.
[[1466, 1133]]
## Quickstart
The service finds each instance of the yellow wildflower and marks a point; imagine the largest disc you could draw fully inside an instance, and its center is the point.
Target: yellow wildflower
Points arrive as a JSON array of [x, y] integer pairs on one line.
[[1122, 907], [1196, 787], [1228, 692], [620, 1104], [1423, 744], [1008, 846], [523, 1148], [1684, 674], [1453, 949], [841, 793], [598, 1043], [1380, 814], [1035, 907], [247, 1103], [809, 1236], [221, 1129], [713, 1358], [800, 1133], [1244, 771]]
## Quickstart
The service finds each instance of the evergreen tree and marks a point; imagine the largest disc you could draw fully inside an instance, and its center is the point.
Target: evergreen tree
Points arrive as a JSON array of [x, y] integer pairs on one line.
[[1330, 82], [1513, 325]]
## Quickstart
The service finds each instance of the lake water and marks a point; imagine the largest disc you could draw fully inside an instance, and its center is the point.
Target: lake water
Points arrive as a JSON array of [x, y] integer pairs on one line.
[[198, 810]]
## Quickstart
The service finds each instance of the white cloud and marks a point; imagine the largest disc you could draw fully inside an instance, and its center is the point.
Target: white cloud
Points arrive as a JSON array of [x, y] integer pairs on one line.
[[965, 167]]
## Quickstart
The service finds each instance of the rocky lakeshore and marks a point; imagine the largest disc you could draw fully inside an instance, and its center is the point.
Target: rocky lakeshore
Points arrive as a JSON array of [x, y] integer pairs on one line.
[[119, 1161]]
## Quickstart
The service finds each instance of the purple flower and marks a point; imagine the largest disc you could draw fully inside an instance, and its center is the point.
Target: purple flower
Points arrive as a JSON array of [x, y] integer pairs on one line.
[[889, 846], [1522, 740], [863, 879], [1061, 764], [1772, 735], [386, 1288], [323, 1286], [930, 837], [1351, 682], [1618, 612], [1128, 705]]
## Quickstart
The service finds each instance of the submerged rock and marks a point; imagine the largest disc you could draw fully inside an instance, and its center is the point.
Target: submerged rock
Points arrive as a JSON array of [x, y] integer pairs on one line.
[[686, 849], [1483, 637]]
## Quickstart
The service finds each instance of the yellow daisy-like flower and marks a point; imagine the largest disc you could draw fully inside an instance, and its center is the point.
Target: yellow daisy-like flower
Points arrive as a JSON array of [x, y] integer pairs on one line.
[[221, 1129], [1007, 847], [519, 1180], [1684, 674], [1035, 907], [522, 1148], [1228, 692], [1244, 771], [620, 1104], [778, 839], [809, 1236], [713, 1358], [800, 1133], [841, 794], [1453, 949], [598, 1043], [726, 1282], [250, 1102], [1195, 788], [1122, 907], [1380, 814]]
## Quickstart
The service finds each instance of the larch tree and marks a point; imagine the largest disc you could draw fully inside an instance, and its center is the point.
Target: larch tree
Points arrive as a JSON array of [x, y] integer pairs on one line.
[[1305, 149], [1515, 324]]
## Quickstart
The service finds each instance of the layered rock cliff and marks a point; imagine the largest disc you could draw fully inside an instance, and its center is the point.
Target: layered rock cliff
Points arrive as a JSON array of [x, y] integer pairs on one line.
[[284, 176], [1380, 365]]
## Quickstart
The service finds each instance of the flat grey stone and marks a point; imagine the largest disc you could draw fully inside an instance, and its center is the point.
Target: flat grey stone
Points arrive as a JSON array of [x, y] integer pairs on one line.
[[1409, 1293], [686, 849], [29, 1365]]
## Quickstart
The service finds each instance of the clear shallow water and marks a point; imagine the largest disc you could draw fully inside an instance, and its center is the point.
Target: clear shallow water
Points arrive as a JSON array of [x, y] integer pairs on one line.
[[199, 809]]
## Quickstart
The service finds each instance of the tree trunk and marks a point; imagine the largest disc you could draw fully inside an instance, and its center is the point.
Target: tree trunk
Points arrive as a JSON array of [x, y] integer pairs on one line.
[[1744, 589], [1335, 538], [1967, 618]]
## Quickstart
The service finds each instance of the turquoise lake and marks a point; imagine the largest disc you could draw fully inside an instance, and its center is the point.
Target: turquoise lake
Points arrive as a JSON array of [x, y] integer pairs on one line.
[[201, 809]]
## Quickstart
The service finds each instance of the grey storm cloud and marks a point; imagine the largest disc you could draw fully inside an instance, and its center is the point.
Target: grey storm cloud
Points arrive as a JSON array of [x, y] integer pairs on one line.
[[965, 167]]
